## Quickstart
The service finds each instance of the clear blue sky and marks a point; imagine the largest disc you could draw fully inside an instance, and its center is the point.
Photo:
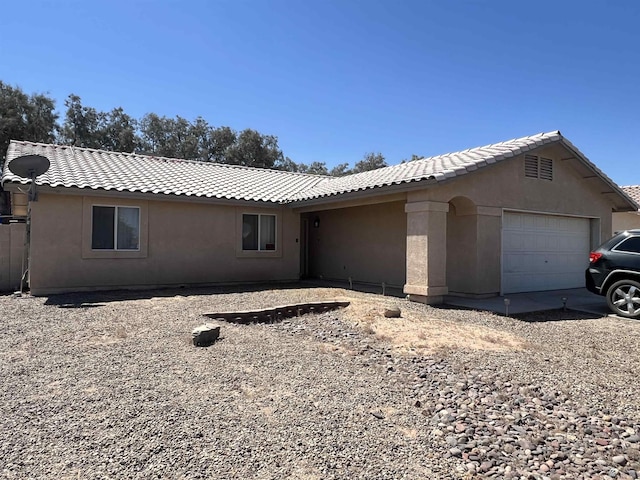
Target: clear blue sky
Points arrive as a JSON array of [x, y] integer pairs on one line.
[[333, 79]]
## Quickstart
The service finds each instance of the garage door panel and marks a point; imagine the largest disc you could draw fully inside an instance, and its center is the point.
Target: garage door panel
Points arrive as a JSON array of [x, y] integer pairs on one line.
[[543, 252]]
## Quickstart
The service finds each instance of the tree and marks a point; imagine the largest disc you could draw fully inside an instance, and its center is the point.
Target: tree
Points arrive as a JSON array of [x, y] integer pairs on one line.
[[25, 117], [33, 118], [315, 168], [340, 170], [220, 140], [370, 161], [254, 150], [413, 158], [82, 125], [152, 134], [184, 139], [119, 132], [287, 165], [158, 136]]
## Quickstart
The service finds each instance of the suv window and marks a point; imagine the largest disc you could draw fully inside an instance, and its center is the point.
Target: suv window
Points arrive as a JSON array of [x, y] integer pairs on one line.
[[631, 244]]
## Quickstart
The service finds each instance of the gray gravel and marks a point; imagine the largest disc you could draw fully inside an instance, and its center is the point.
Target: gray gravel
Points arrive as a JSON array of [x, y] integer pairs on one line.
[[109, 386]]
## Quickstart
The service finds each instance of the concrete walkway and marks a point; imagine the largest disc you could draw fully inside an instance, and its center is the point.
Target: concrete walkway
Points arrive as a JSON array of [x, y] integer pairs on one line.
[[579, 299]]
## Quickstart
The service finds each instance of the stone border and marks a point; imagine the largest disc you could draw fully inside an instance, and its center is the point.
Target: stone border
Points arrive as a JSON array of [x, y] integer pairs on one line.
[[275, 314]]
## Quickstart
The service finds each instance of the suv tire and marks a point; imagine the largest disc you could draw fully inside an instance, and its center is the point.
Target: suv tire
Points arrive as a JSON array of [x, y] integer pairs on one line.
[[623, 298]]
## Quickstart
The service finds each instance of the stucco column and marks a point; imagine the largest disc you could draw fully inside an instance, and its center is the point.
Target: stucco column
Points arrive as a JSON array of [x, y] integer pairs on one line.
[[426, 251], [489, 248]]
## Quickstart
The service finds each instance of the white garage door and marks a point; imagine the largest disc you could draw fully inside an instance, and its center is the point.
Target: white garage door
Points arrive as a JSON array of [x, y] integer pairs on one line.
[[543, 252]]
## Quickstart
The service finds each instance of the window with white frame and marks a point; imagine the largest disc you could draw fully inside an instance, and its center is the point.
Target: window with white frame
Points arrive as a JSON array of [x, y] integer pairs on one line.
[[115, 228], [258, 232]]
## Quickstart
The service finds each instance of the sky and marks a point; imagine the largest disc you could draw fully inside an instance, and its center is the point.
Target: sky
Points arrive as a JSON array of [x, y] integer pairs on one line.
[[335, 79]]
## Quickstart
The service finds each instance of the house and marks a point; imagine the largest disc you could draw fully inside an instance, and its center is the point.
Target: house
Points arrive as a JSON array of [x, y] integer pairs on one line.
[[628, 220], [516, 216]]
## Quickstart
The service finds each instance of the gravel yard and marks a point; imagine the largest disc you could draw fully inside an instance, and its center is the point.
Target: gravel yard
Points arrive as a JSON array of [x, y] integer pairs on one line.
[[110, 386]]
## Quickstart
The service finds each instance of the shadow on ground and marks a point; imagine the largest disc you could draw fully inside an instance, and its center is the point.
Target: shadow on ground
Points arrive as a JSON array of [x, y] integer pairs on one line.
[[96, 299], [554, 315], [557, 316]]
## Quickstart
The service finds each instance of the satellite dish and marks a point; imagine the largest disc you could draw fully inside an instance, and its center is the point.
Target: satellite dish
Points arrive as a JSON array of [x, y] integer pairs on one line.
[[29, 166]]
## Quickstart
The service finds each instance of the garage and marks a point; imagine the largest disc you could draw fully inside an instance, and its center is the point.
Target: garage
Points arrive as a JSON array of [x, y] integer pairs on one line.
[[543, 252]]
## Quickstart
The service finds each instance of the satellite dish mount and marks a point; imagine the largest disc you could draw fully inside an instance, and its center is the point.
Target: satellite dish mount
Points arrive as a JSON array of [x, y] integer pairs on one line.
[[28, 166]]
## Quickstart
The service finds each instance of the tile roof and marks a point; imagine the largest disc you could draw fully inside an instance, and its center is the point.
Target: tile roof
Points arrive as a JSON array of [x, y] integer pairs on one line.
[[126, 172], [633, 191], [438, 168], [101, 170]]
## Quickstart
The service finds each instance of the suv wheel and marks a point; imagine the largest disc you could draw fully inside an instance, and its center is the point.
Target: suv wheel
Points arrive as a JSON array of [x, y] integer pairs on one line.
[[623, 298]]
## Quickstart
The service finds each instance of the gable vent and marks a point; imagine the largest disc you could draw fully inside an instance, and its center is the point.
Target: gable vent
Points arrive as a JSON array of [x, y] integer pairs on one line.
[[546, 169], [531, 166], [538, 167]]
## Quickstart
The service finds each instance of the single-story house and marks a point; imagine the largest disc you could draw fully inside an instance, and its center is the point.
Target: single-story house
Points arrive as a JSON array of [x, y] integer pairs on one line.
[[628, 220], [515, 216]]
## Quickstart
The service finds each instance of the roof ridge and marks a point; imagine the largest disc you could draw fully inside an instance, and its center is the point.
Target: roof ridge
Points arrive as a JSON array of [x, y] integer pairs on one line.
[[161, 158], [505, 142], [451, 154], [437, 167]]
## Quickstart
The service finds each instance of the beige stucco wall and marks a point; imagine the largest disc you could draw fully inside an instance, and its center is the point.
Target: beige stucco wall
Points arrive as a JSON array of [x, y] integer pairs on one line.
[[11, 253], [366, 243], [625, 221], [443, 238], [504, 185], [182, 243], [473, 242]]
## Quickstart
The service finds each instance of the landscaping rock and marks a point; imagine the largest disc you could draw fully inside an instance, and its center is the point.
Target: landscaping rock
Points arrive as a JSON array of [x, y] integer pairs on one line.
[[392, 312], [295, 398], [206, 334]]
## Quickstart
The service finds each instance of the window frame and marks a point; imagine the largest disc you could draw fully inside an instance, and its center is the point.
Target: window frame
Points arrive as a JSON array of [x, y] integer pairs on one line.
[[115, 228], [620, 244], [259, 223], [88, 201], [281, 237]]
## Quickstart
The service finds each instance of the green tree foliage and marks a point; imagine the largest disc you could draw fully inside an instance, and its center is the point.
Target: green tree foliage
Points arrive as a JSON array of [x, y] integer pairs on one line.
[[33, 118], [157, 136], [315, 168], [220, 139], [86, 127], [413, 158], [254, 150], [370, 161], [25, 117], [119, 132], [340, 170], [82, 125], [287, 165]]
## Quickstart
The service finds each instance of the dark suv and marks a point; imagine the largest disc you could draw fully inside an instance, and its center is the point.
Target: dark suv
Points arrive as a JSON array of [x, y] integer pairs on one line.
[[614, 271]]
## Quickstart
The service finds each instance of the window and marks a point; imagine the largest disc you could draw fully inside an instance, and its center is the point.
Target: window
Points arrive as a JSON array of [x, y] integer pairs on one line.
[[631, 245], [538, 167], [258, 232], [115, 228]]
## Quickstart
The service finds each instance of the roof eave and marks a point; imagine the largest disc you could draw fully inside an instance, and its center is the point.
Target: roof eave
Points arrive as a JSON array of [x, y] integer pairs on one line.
[[364, 193], [630, 204], [15, 187]]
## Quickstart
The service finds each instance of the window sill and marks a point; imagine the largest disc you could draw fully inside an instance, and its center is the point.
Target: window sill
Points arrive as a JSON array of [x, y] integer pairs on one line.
[[258, 254], [114, 254]]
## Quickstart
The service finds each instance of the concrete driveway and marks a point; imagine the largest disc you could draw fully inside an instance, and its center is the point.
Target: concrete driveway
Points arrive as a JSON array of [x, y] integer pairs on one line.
[[576, 299]]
